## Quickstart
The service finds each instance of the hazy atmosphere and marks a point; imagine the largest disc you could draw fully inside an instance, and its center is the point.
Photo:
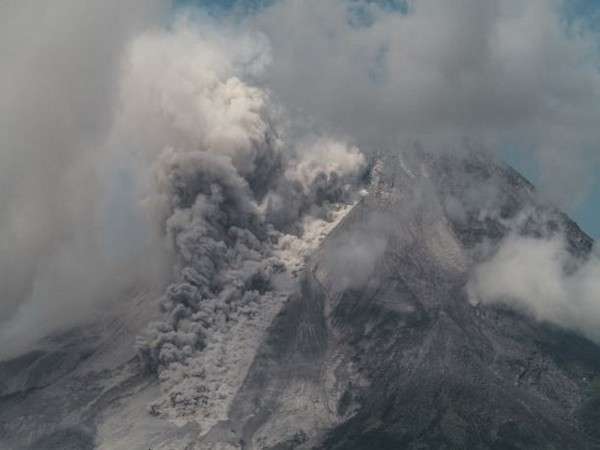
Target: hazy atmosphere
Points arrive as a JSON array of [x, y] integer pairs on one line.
[[201, 151]]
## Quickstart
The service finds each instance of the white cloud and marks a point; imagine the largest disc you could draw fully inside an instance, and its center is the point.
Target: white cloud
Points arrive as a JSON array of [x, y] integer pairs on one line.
[[531, 275], [502, 72]]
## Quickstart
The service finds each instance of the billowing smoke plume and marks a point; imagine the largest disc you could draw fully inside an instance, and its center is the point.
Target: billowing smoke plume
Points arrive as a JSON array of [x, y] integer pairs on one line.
[[234, 196], [165, 116]]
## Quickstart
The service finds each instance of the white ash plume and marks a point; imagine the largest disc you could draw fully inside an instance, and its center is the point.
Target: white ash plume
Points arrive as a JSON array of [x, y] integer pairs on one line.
[[235, 201]]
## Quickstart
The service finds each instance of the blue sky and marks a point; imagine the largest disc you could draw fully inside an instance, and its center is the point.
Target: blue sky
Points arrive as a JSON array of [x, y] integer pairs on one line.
[[586, 213]]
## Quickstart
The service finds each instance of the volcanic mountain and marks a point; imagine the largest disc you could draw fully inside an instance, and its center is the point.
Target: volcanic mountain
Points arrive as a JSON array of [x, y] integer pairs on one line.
[[379, 344]]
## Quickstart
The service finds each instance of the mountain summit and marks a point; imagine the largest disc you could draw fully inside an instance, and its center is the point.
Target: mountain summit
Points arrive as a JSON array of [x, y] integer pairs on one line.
[[383, 348]]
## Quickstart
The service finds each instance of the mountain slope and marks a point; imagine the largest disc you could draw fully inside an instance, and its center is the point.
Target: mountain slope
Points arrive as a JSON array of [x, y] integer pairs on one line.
[[383, 349], [376, 344]]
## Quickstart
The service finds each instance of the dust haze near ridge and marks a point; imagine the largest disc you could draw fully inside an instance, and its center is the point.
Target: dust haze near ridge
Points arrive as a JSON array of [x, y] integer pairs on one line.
[[255, 106]]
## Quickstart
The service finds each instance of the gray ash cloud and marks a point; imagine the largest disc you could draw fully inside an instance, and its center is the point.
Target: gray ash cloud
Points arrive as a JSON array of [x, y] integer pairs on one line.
[[225, 195]]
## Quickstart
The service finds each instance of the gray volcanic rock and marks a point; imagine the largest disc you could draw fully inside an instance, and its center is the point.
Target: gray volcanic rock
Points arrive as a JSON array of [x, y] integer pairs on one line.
[[75, 391], [382, 349], [380, 346]]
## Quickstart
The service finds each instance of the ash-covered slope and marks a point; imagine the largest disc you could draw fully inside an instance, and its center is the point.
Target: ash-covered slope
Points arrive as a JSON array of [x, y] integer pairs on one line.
[[371, 341], [382, 348]]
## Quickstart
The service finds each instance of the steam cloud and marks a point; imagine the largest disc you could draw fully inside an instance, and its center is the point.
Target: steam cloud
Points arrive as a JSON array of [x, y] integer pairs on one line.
[[532, 276], [243, 135]]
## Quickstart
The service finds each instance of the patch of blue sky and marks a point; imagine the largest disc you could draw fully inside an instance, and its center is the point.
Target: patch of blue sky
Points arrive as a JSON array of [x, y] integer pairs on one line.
[[225, 7], [359, 10], [586, 213], [584, 13]]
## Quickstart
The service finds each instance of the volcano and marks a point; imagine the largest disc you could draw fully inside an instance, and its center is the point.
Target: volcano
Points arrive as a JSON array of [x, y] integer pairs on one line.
[[379, 344]]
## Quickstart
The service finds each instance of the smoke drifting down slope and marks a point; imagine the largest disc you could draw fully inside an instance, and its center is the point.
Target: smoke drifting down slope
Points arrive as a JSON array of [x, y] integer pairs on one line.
[[234, 196]]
